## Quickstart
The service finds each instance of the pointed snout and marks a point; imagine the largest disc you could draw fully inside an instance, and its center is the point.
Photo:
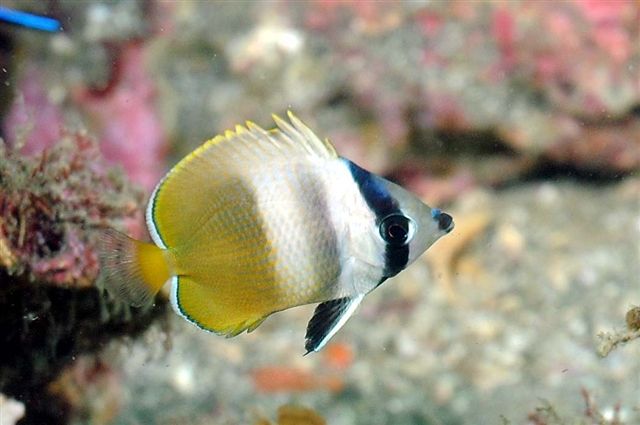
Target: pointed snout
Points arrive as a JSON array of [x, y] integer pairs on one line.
[[444, 220]]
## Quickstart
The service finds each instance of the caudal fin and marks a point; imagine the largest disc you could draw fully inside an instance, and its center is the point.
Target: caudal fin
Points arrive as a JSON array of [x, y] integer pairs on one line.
[[133, 271]]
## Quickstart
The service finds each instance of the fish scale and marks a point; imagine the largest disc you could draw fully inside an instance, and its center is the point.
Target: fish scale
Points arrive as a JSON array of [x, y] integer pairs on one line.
[[305, 260]]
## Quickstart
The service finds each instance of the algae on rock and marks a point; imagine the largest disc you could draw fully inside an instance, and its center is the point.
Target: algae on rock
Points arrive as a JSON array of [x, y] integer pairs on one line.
[[52, 207]]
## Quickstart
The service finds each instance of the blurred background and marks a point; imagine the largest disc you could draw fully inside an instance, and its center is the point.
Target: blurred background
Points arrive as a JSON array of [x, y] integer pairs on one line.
[[521, 118]]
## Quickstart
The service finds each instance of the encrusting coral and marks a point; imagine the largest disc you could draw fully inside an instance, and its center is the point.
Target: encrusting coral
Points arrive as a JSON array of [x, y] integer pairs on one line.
[[52, 207]]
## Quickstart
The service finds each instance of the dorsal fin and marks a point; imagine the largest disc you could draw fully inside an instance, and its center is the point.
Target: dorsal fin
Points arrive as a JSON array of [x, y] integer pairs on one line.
[[175, 208], [302, 136]]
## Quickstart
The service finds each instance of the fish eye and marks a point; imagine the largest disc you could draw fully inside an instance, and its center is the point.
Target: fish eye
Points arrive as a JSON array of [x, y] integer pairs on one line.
[[397, 229]]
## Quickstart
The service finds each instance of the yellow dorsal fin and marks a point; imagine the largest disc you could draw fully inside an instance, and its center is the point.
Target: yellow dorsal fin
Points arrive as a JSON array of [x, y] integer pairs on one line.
[[182, 201]]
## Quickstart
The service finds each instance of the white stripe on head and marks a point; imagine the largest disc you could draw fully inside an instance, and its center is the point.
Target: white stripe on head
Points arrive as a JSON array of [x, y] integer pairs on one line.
[[362, 247]]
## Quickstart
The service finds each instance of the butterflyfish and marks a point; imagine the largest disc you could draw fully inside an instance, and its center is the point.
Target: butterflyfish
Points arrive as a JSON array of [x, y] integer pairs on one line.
[[257, 221]]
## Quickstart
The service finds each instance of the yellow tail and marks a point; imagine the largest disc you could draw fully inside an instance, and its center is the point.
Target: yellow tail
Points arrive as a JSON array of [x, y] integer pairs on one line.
[[133, 271]]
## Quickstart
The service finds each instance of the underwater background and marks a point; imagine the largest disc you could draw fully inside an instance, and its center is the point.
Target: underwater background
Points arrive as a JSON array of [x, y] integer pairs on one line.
[[521, 118]]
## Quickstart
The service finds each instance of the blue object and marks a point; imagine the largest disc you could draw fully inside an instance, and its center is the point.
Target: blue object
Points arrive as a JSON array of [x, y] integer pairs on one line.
[[29, 20]]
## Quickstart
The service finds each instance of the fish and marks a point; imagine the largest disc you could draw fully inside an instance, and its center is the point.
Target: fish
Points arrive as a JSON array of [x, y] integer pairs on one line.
[[258, 221], [29, 20]]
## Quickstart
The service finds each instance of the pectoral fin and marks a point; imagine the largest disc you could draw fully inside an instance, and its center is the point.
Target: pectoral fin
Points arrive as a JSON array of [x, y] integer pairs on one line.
[[328, 318]]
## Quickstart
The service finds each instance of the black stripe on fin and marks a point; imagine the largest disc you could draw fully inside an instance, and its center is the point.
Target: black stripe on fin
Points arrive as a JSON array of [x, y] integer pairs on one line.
[[327, 319]]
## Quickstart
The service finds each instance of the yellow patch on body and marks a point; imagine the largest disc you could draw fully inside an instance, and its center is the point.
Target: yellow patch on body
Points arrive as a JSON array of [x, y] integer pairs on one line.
[[207, 215]]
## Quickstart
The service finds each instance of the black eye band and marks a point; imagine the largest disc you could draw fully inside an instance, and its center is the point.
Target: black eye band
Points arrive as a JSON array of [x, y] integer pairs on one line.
[[396, 229], [384, 206]]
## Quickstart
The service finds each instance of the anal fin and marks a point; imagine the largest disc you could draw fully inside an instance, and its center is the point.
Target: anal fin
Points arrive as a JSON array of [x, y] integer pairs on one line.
[[327, 319], [200, 305]]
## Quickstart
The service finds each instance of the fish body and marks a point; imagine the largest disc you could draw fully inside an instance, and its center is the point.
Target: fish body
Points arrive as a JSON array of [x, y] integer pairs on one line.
[[255, 221]]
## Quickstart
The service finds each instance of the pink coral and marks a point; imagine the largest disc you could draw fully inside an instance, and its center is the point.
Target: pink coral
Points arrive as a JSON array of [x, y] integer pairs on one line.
[[33, 113], [51, 205], [542, 71], [504, 32], [608, 20], [125, 118], [72, 265]]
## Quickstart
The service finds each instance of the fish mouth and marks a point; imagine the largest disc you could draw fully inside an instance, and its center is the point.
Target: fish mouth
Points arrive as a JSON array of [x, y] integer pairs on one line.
[[444, 220]]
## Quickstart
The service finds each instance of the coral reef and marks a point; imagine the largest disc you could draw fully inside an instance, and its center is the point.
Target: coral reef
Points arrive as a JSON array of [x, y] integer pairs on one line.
[[97, 79], [522, 116], [385, 76], [444, 83], [33, 118], [124, 117], [53, 204]]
